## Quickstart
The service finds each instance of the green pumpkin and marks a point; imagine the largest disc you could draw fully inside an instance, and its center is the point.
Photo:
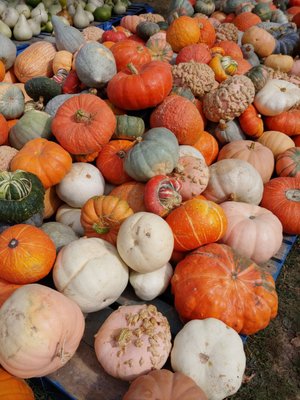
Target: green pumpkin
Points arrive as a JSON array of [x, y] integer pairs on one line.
[[183, 91], [42, 87], [21, 196], [11, 101], [129, 127], [263, 11], [146, 29], [206, 7], [156, 154], [183, 5], [33, 124], [163, 25], [259, 76]]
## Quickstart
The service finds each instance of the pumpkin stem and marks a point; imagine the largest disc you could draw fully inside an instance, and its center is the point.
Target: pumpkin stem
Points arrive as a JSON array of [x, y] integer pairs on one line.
[[232, 197], [222, 124], [293, 195], [93, 91], [121, 154], [83, 116], [132, 69], [100, 229], [252, 146], [13, 243]]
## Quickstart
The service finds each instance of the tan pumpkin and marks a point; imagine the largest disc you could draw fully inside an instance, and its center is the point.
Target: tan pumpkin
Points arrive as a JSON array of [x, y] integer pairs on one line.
[[279, 62], [262, 41], [35, 60], [62, 60], [276, 141]]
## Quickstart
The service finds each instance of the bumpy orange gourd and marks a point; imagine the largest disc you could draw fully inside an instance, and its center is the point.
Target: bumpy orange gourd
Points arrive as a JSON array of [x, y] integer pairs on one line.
[[12, 388], [216, 282], [182, 32], [27, 254]]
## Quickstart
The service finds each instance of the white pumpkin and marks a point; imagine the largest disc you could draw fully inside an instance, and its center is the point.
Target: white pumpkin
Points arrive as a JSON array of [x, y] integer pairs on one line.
[[71, 217], [212, 354], [80, 184], [151, 284], [186, 150], [90, 272], [145, 242], [276, 97]]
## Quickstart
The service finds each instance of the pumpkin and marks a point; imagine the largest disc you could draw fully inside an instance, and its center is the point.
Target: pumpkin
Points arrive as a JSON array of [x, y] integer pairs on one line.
[[49, 331], [60, 234], [130, 22], [164, 385], [194, 52], [3, 130], [251, 122], [81, 183], [245, 20], [152, 82], [288, 163], [51, 202], [251, 298], [157, 153], [35, 60], [27, 254], [110, 161], [129, 51], [262, 41], [230, 131], [66, 37], [159, 49], [214, 369], [90, 272], [258, 155], [8, 52], [42, 89], [85, 116], [182, 32], [71, 217], [133, 333], [279, 62], [223, 67], [276, 141], [113, 35], [129, 127], [102, 216], [180, 116], [259, 76], [276, 96], [133, 193], [196, 222], [208, 147], [145, 29], [145, 242], [231, 48], [287, 122], [12, 388], [22, 196], [207, 31], [252, 231], [282, 197], [47, 160], [11, 101], [296, 140], [7, 289], [10, 77]]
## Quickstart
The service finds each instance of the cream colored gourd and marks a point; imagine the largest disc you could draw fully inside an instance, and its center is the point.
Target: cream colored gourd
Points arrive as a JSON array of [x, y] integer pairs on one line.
[[8, 51], [80, 184], [40, 13], [35, 26], [90, 272], [41, 325], [186, 150], [276, 97], [252, 231], [71, 217], [212, 354], [279, 62], [151, 284], [10, 16], [22, 30], [145, 242], [5, 30], [80, 18], [23, 9]]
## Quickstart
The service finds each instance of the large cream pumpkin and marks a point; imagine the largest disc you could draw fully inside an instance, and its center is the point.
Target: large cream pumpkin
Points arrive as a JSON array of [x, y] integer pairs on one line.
[[252, 231], [212, 354], [90, 272], [40, 330]]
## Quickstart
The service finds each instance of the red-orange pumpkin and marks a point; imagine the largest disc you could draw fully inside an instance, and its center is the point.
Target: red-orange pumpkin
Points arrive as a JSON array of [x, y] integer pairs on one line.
[[287, 122], [208, 147], [251, 122], [83, 124], [207, 31], [245, 20], [129, 51], [182, 32], [133, 193], [216, 282], [288, 163], [195, 223], [194, 52], [3, 130], [231, 49]]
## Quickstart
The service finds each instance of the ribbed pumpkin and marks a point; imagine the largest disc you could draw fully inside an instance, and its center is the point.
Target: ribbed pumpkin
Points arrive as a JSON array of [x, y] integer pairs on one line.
[[27, 254], [11, 101], [3, 130], [47, 160], [130, 22], [182, 32], [231, 49], [34, 61], [288, 163], [84, 116], [129, 51], [195, 223], [160, 49], [208, 147], [251, 122], [102, 216], [181, 116], [287, 122], [133, 193], [12, 388], [6, 289], [195, 52], [282, 197], [207, 31], [277, 141], [51, 202], [245, 20], [216, 282]]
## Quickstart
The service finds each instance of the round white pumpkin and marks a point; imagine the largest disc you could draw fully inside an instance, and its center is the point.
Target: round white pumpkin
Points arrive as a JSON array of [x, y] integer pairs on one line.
[[212, 354], [90, 272], [187, 150], [80, 184], [145, 242], [71, 217], [151, 284]]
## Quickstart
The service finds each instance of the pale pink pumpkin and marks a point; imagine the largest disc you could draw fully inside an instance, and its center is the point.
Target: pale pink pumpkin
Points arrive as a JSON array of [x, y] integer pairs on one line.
[[252, 231]]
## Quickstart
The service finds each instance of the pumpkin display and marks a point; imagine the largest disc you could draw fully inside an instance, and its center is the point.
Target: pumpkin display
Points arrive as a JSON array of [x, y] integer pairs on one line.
[[203, 351], [138, 334], [12, 388], [27, 254], [164, 385], [251, 298], [129, 51], [90, 272], [85, 116], [46, 159], [288, 163], [49, 331], [252, 231], [152, 82], [133, 193], [287, 122], [11, 101], [196, 222], [182, 32], [276, 141], [282, 197]]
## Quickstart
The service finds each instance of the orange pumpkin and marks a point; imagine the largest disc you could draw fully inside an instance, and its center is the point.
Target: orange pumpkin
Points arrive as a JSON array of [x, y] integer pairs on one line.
[[51, 202], [288, 163], [3, 130], [277, 141], [179, 115], [245, 20], [12, 388], [86, 157], [216, 282], [287, 122], [195, 223], [83, 124], [129, 51], [101, 216], [6, 289], [133, 193], [231, 49], [251, 122], [46, 159], [195, 52], [111, 161], [27, 254], [208, 147], [243, 66], [182, 32], [207, 31], [2, 71]]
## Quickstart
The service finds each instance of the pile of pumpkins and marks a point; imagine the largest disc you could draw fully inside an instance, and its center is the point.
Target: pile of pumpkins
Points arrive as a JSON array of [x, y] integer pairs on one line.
[[161, 153]]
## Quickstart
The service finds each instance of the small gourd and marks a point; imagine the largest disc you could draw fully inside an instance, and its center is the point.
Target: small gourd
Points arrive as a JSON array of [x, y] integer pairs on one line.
[[5, 30], [66, 37], [80, 18], [10, 16], [8, 51], [35, 26], [22, 30], [145, 29], [119, 7]]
